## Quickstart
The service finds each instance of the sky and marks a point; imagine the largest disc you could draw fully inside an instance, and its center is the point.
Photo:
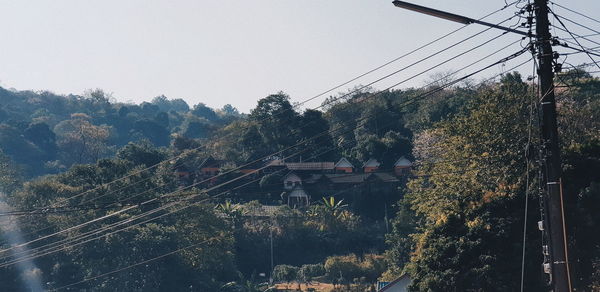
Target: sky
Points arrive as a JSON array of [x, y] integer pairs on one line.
[[235, 52]]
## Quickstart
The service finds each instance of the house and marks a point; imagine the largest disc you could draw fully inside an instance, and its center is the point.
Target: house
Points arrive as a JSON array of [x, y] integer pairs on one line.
[[252, 169], [311, 166], [402, 166], [298, 198], [344, 166], [210, 167], [398, 285], [182, 172], [359, 178], [372, 165], [291, 180]]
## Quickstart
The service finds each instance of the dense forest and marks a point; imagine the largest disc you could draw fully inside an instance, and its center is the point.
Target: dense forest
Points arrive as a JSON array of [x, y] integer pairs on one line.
[[107, 195]]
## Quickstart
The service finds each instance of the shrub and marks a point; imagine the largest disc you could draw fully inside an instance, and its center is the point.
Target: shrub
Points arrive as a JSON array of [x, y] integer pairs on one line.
[[308, 272], [285, 273]]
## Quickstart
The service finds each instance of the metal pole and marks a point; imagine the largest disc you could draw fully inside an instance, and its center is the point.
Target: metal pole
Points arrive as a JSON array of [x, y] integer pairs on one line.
[[554, 220], [272, 267]]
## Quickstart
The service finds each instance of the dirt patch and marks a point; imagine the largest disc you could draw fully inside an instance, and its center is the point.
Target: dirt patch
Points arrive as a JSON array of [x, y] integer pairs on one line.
[[318, 287]]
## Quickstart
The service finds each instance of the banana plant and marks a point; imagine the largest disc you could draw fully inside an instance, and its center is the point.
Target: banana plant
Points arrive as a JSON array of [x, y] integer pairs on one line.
[[334, 207]]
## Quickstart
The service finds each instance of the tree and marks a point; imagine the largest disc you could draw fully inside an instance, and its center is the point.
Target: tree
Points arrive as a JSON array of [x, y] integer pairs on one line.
[[308, 272], [20, 150], [164, 104], [141, 153], [202, 111], [41, 135], [343, 268], [158, 134], [285, 273], [467, 213], [276, 121], [80, 141], [195, 127], [314, 129], [230, 110], [10, 179]]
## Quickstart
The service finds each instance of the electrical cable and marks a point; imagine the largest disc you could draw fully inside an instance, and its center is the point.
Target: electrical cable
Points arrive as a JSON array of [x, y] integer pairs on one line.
[[303, 102], [503, 60], [573, 11], [105, 274], [341, 97], [575, 36], [580, 50], [581, 25], [134, 265], [356, 90], [527, 154], [565, 27]]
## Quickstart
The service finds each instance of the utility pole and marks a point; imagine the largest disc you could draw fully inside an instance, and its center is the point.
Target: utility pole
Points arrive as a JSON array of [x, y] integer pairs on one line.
[[554, 221], [553, 201], [271, 241]]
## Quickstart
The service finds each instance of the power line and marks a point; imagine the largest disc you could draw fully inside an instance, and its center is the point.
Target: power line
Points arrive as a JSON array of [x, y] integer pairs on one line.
[[581, 25], [206, 180], [575, 36], [380, 79], [81, 207], [89, 279], [576, 40], [527, 165], [449, 84], [580, 50], [584, 36], [573, 11], [134, 265], [390, 87]]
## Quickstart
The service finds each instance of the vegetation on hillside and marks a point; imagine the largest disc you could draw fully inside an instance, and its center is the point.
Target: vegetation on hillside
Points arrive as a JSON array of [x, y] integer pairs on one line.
[[455, 223]]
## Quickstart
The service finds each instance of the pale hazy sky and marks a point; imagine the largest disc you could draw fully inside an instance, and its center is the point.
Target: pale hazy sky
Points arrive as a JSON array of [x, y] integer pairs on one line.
[[235, 52]]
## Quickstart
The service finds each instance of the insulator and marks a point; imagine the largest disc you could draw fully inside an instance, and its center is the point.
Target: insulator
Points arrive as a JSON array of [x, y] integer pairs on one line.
[[545, 250], [558, 67], [547, 268], [541, 225]]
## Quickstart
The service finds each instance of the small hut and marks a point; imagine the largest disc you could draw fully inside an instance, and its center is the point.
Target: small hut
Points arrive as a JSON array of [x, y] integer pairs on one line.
[[344, 166], [372, 165], [402, 166], [298, 198]]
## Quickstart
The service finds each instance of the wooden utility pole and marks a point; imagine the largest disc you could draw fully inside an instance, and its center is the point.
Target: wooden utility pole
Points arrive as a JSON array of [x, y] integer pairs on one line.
[[554, 221]]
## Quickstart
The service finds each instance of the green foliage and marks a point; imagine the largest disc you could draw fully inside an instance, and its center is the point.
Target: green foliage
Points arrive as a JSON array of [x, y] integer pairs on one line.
[[196, 127], [310, 271], [285, 273], [344, 269], [458, 226], [334, 207], [81, 141], [166, 105], [46, 133], [378, 128], [10, 178], [202, 111], [467, 214], [141, 154]]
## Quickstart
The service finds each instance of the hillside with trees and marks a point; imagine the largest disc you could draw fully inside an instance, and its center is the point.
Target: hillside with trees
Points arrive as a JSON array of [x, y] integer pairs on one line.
[[112, 196]]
